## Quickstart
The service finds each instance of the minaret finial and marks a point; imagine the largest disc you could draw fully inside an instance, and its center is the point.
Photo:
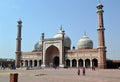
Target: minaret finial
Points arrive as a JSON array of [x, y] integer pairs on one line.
[[84, 33], [99, 1], [61, 27], [19, 21]]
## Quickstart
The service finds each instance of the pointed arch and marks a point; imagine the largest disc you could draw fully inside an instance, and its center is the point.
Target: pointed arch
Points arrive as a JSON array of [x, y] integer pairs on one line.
[[50, 53], [56, 61], [80, 62], [68, 63], [95, 62], [31, 63], [87, 63], [35, 63], [26, 63], [74, 63]]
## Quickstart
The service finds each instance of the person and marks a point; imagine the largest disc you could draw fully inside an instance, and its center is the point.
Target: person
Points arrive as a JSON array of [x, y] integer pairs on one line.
[[93, 68], [83, 70], [78, 71]]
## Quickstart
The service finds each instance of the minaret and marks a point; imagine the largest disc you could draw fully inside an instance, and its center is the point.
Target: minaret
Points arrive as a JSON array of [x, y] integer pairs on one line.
[[101, 38], [18, 44], [43, 57], [63, 48]]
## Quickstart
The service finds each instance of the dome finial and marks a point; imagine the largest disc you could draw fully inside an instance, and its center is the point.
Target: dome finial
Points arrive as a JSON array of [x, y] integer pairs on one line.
[[84, 33], [61, 27]]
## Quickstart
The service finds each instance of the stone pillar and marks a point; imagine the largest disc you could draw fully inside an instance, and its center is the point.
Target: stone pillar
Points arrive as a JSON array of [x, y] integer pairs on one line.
[[38, 63], [90, 63], [43, 52], [70, 63], [23, 63], [33, 65], [83, 63], [61, 60], [28, 63], [62, 54], [77, 63], [43, 59]]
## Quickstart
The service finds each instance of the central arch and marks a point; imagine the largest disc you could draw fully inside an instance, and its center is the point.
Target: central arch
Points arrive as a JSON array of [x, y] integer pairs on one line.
[[51, 56], [56, 61]]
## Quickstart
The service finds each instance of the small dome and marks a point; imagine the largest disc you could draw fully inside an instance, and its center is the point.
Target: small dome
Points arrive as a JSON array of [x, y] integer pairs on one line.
[[85, 43], [67, 41], [38, 46]]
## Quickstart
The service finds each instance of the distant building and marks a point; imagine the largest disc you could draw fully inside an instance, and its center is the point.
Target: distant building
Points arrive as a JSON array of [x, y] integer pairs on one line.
[[56, 51], [113, 64], [6, 62]]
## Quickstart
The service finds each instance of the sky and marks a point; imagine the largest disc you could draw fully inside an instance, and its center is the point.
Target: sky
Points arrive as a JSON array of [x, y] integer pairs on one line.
[[75, 16]]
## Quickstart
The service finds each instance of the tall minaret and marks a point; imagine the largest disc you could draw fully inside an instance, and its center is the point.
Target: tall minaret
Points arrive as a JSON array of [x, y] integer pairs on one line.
[[101, 38], [18, 44]]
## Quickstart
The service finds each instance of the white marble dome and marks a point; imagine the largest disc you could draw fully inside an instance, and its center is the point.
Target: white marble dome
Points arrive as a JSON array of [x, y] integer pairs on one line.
[[67, 40], [85, 43], [38, 45]]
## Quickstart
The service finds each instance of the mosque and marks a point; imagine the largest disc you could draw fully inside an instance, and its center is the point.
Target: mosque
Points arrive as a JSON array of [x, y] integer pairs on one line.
[[56, 51]]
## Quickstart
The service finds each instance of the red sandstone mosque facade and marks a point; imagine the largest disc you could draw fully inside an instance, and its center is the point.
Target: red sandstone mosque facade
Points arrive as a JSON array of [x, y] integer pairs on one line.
[[57, 51]]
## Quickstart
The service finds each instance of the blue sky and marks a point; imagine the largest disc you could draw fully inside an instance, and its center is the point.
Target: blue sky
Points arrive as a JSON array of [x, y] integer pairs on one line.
[[76, 16]]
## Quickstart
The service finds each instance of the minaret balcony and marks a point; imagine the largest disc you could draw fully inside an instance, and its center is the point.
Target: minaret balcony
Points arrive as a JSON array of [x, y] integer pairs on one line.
[[100, 29]]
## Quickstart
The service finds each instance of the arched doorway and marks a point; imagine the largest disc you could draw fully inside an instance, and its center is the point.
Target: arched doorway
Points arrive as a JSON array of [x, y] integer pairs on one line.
[[80, 63], [30, 63], [68, 63], [26, 63], [56, 61], [40, 62], [87, 63], [51, 56], [74, 63], [21, 63], [35, 63], [95, 62]]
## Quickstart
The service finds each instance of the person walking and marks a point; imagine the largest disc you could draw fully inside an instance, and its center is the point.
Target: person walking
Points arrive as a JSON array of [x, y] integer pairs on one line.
[[83, 70], [78, 71]]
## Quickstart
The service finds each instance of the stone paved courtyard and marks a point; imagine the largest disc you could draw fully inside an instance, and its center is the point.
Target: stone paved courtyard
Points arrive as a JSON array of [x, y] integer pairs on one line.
[[62, 75]]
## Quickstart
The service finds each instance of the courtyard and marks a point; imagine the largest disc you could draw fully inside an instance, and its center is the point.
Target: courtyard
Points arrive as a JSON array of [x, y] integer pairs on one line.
[[62, 75]]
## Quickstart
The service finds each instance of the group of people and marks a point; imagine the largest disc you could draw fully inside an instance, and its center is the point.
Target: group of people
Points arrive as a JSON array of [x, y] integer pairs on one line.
[[12, 67], [83, 71]]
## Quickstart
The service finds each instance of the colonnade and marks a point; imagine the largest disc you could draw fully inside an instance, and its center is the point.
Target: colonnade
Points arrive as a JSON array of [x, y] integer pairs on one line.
[[31, 63], [69, 63], [81, 63]]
